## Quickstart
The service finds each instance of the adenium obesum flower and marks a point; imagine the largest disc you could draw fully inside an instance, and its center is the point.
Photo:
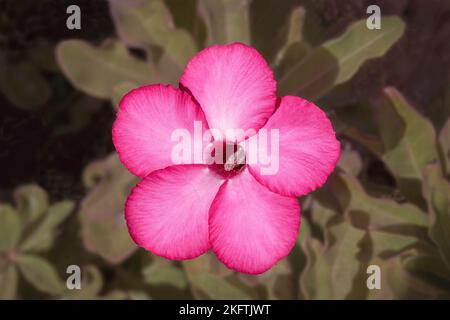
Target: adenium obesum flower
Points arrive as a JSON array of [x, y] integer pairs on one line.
[[248, 219]]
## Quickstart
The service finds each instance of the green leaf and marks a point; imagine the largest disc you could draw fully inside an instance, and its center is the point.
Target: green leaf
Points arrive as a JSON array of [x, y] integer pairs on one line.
[[314, 28], [381, 212], [170, 72], [406, 152], [371, 142], [94, 173], [398, 283], [8, 282], [104, 230], [185, 16], [289, 56], [271, 22], [23, 85], [91, 285], [10, 228], [350, 161], [315, 281], [43, 235], [385, 292], [41, 274], [31, 201], [427, 265], [444, 147], [437, 192], [277, 281], [215, 287], [294, 49], [337, 60], [210, 279], [165, 274], [96, 71], [385, 241], [342, 98], [304, 232], [342, 257], [296, 22], [439, 109], [356, 115], [321, 215], [226, 20], [120, 90], [206, 263], [150, 23]]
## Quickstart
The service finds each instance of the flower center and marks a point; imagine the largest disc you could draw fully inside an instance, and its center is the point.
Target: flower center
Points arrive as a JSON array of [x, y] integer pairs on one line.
[[229, 158]]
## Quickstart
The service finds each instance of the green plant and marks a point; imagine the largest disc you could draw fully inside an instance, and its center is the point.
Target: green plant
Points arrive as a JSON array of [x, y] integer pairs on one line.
[[397, 218], [27, 231]]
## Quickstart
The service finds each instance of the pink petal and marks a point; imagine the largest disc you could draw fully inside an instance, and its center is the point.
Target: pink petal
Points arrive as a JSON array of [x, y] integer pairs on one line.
[[252, 228], [234, 86], [167, 212], [146, 119], [308, 149]]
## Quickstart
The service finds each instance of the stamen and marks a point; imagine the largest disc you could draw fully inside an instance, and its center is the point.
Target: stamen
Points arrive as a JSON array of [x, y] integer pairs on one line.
[[229, 159], [236, 159]]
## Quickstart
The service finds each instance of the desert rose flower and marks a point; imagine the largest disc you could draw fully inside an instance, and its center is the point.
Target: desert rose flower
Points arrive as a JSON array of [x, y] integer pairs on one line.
[[249, 219]]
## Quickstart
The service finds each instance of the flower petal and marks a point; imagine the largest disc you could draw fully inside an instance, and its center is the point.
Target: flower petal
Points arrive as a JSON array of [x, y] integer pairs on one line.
[[167, 212], [252, 228], [233, 85], [308, 149], [146, 120]]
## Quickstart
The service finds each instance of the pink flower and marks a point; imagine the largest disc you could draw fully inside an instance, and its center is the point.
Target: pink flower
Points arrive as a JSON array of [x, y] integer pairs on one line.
[[250, 220]]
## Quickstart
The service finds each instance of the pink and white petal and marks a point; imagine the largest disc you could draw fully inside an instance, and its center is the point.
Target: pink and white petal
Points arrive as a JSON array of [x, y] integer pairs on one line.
[[233, 85], [167, 212], [252, 228], [307, 153], [146, 120]]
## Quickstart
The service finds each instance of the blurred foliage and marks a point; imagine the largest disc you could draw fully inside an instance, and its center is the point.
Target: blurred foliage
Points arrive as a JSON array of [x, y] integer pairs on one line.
[[397, 217], [21, 78], [27, 231], [101, 211]]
